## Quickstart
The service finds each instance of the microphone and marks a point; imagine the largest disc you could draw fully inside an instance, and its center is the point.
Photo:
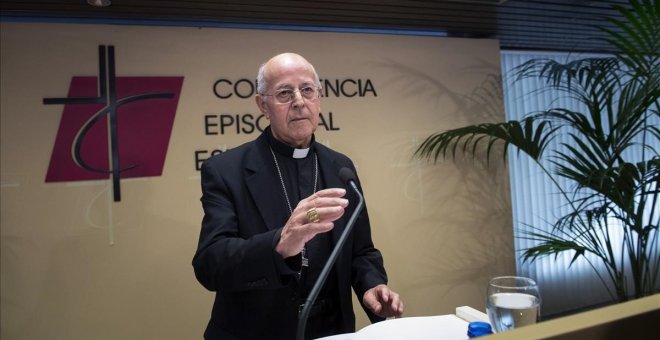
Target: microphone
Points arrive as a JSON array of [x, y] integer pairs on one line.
[[349, 178]]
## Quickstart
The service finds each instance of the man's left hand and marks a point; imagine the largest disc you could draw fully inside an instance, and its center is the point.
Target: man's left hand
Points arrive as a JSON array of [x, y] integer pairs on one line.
[[383, 302]]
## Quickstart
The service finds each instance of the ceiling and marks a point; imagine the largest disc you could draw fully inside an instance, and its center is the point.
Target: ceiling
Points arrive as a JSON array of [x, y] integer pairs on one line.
[[550, 25]]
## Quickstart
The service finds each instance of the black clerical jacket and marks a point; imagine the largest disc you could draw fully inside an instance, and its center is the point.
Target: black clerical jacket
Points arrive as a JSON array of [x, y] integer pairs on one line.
[[244, 213]]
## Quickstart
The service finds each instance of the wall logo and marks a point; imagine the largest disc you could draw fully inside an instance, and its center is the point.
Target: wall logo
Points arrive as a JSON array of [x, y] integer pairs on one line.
[[113, 126]]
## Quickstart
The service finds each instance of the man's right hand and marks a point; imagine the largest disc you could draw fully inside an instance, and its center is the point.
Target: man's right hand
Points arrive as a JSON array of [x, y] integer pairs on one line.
[[298, 230]]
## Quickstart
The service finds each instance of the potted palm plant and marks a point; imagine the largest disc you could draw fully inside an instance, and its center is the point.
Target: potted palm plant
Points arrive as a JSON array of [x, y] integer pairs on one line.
[[608, 190]]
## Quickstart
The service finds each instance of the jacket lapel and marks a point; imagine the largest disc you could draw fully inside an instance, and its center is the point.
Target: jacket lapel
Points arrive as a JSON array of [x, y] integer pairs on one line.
[[264, 185]]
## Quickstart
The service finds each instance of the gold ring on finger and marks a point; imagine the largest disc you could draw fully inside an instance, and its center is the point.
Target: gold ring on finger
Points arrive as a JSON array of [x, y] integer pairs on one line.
[[312, 215]]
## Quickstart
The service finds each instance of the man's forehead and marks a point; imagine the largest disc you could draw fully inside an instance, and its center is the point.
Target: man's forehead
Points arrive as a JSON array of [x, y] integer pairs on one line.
[[291, 77], [289, 84]]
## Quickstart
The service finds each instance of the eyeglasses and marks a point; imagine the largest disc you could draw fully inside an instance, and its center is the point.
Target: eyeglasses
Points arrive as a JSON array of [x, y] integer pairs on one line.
[[285, 96]]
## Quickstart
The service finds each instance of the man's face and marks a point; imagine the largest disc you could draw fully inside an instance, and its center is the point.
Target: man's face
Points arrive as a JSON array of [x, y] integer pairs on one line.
[[292, 123]]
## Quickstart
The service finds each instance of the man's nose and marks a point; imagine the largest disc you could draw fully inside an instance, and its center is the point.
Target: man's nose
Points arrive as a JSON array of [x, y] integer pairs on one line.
[[298, 100]]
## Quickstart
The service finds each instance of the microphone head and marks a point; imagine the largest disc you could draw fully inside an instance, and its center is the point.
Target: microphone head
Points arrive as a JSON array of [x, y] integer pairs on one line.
[[347, 175]]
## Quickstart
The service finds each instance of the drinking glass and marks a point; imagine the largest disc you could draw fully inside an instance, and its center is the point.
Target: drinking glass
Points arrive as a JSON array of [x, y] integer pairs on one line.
[[512, 302]]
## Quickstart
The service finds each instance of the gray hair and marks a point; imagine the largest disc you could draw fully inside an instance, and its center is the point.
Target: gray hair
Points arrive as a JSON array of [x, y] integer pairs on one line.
[[261, 82]]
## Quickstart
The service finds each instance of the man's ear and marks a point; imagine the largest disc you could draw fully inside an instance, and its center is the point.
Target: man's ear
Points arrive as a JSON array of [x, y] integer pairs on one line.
[[261, 104]]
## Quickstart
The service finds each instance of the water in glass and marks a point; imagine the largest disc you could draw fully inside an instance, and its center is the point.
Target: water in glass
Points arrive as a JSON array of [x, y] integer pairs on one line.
[[512, 302], [511, 310]]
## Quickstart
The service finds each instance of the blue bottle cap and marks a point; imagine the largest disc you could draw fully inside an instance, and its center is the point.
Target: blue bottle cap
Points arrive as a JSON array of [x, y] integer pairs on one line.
[[478, 328]]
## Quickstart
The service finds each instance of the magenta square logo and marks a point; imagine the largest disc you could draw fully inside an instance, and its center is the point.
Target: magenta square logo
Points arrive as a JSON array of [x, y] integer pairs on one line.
[[113, 127]]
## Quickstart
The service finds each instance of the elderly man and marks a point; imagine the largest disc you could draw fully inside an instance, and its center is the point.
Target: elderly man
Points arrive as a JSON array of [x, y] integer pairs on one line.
[[273, 209]]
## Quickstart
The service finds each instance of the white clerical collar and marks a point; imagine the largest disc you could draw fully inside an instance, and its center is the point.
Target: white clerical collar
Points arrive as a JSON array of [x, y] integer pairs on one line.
[[287, 150], [300, 153]]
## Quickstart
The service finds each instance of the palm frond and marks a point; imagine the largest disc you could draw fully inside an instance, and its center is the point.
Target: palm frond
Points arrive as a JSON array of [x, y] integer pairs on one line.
[[527, 136], [549, 245], [638, 39]]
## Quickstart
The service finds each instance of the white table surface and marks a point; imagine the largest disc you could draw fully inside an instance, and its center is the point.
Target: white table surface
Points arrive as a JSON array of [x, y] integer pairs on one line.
[[442, 327]]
